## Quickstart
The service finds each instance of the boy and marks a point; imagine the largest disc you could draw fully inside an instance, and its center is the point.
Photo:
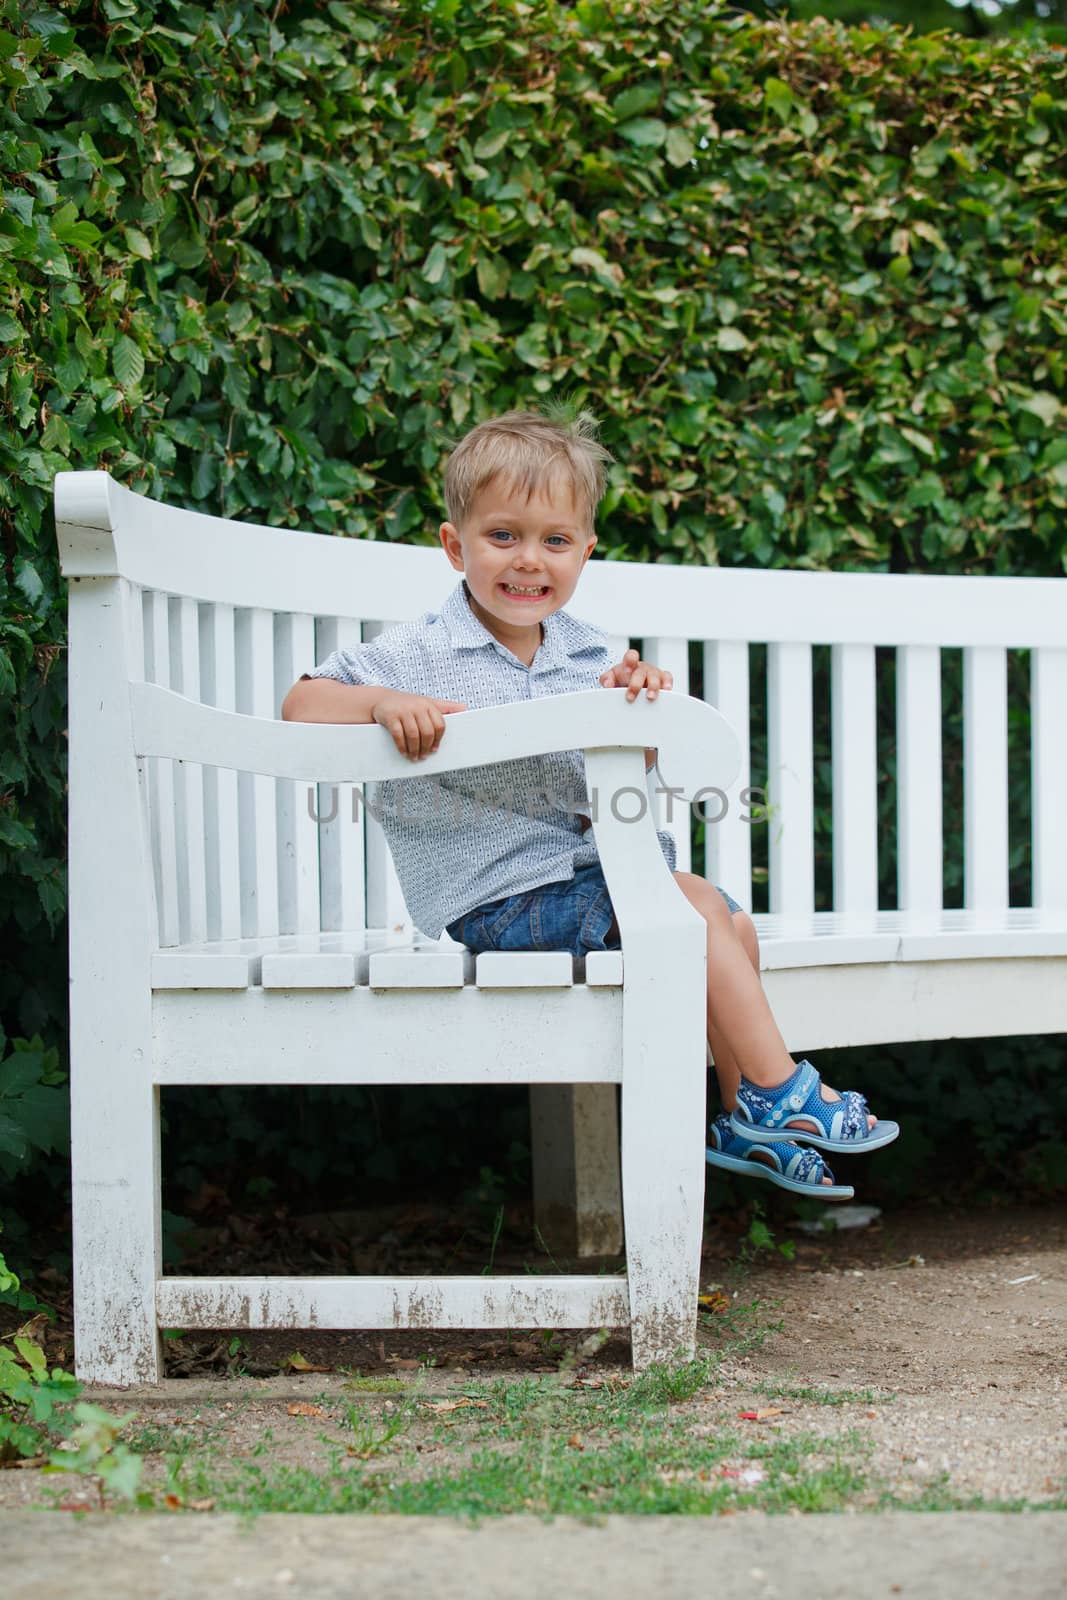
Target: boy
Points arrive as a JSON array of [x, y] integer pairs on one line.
[[521, 493]]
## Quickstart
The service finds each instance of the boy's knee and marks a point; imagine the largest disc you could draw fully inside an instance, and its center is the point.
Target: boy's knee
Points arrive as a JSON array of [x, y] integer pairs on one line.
[[705, 897]]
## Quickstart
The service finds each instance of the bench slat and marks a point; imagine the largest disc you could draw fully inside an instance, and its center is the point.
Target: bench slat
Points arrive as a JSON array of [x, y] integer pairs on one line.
[[919, 831], [1048, 713], [790, 766], [728, 842], [555, 1301], [161, 776], [855, 781], [985, 779], [218, 686], [337, 969], [343, 888], [386, 907], [533, 969], [186, 969], [184, 631], [298, 844], [259, 828], [425, 969]]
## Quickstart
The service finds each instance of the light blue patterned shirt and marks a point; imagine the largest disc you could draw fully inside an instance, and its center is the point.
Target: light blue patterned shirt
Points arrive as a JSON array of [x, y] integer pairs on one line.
[[469, 837]]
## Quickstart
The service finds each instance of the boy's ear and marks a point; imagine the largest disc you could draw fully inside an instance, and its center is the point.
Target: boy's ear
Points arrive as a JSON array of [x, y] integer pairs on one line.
[[451, 545], [590, 547]]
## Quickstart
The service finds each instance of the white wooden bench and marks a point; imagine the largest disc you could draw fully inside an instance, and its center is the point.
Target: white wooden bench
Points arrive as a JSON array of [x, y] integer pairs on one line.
[[221, 933]]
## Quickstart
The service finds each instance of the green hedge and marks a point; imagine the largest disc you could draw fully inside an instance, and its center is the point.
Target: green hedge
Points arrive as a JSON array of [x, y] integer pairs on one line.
[[267, 260]]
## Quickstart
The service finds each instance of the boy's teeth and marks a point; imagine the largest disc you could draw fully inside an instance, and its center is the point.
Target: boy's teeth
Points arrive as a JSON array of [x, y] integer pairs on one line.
[[514, 588]]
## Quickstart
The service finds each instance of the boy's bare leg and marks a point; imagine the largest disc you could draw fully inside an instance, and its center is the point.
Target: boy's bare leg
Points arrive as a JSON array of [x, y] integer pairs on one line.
[[727, 1071], [739, 1016]]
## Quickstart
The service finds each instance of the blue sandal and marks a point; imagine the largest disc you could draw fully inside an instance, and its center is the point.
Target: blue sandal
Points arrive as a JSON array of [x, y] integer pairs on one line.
[[767, 1115], [784, 1163]]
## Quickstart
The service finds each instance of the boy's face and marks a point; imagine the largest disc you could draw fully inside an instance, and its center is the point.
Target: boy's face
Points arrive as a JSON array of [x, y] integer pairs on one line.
[[521, 557]]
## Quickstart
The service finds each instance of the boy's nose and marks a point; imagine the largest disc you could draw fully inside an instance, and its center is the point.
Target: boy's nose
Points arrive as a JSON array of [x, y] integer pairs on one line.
[[529, 560]]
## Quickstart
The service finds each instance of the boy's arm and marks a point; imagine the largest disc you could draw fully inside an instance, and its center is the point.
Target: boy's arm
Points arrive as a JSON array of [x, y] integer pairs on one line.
[[329, 700], [415, 722]]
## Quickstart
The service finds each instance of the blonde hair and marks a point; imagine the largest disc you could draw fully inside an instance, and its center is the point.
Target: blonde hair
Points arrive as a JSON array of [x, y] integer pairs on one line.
[[528, 448]]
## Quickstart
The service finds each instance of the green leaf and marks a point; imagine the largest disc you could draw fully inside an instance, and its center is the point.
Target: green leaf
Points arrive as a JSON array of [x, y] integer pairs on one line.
[[924, 445], [680, 149], [634, 102], [28, 580], [583, 257], [137, 243], [127, 362], [647, 132], [1042, 404], [491, 143], [433, 268], [493, 275], [31, 1353], [70, 372], [731, 339], [20, 203], [779, 97]]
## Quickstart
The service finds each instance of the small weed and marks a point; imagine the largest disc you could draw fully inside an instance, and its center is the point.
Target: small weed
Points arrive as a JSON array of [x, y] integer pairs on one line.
[[760, 1240], [95, 1450], [373, 1384], [664, 1386], [743, 1325], [498, 1226]]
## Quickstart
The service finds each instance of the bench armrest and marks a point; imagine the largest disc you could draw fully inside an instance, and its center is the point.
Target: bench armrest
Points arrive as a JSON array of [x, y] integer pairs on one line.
[[697, 747]]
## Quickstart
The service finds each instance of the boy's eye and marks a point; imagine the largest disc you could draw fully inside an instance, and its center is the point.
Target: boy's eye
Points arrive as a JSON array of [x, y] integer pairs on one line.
[[500, 533]]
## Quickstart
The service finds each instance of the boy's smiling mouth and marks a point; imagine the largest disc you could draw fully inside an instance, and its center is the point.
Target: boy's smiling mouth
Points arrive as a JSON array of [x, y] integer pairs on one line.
[[525, 591]]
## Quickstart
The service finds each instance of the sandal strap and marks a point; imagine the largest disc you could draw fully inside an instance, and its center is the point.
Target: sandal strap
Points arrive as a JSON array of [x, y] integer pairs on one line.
[[808, 1167]]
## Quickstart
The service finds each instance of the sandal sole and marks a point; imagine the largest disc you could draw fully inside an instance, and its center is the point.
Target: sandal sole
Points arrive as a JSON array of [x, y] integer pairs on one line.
[[756, 1169], [881, 1134]]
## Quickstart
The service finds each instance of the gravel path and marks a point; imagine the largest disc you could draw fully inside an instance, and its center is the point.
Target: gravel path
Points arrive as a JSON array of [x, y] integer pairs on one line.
[[963, 1318]]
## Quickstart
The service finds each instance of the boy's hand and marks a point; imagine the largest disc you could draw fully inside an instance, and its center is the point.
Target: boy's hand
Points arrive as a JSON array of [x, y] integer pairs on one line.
[[633, 675], [415, 722]]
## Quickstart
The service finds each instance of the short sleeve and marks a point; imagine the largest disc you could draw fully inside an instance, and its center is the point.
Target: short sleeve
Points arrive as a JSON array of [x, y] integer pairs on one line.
[[392, 660]]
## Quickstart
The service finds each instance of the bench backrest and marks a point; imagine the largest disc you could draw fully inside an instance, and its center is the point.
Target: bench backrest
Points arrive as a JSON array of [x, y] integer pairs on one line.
[[230, 614]]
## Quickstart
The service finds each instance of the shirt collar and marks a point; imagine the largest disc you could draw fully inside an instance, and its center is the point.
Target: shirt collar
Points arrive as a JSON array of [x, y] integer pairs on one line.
[[564, 635]]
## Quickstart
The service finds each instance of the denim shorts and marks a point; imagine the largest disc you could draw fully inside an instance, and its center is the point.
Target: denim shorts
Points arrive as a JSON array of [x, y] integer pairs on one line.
[[575, 914]]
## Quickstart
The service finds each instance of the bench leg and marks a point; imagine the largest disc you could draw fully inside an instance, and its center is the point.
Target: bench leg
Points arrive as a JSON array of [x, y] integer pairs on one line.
[[663, 1111], [116, 1217], [574, 1132]]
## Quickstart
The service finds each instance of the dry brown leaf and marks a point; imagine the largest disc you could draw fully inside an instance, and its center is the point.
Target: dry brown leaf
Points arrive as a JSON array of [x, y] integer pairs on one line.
[[202, 1505], [304, 1408], [575, 1443], [299, 1363], [173, 1502]]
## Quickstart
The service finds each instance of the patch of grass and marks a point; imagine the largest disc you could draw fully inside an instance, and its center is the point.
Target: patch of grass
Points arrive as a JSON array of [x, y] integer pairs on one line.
[[649, 1469], [376, 1385]]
